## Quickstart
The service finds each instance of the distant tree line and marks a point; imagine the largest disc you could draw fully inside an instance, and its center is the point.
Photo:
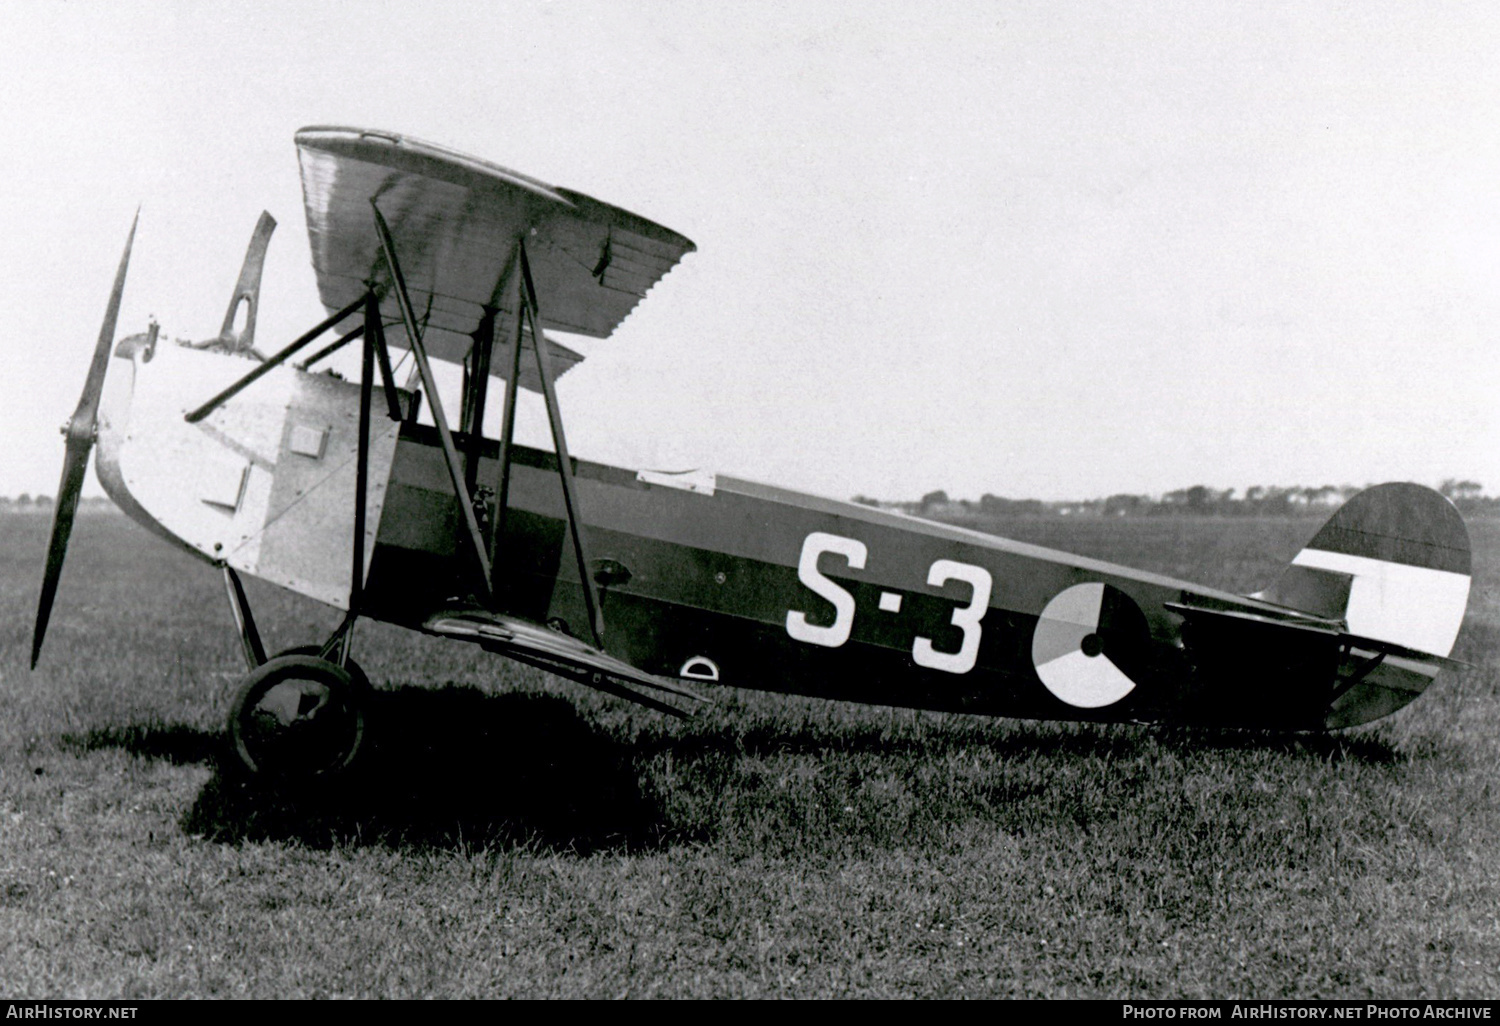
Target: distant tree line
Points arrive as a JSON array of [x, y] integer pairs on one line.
[[1199, 500], [28, 503]]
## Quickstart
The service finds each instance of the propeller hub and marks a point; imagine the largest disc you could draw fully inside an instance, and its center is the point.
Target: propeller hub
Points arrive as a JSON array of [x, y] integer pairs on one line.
[[89, 434]]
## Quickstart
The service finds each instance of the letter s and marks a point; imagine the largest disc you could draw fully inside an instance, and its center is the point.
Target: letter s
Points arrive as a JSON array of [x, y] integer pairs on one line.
[[836, 633]]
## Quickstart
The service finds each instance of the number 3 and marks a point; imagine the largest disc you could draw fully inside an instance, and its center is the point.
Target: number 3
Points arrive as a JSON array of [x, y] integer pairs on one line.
[[965, 617]]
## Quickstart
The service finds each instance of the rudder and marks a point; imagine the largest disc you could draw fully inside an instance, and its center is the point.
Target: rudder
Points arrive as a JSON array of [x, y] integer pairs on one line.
[[1394, 564], [1399, 556]]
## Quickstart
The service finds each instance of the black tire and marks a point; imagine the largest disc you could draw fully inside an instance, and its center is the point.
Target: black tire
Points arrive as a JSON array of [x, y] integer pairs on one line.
[[316, 651], [298, 718]]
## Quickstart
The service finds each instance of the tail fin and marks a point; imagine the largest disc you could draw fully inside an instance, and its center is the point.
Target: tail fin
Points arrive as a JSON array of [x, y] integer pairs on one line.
[[1393, 562]]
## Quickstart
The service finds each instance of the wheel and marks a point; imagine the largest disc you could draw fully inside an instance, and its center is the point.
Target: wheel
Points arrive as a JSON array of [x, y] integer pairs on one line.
[[316, 651], [298, 718]]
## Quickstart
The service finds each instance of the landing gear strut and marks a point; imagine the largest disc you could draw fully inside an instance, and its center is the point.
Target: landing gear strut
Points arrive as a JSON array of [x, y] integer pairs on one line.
[[299, 717]]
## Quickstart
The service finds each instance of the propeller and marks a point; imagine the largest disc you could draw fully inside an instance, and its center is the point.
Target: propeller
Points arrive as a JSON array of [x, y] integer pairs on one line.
[[79, 431]]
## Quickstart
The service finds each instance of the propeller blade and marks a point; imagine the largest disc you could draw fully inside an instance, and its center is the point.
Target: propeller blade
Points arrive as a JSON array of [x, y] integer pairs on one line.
[[80, 440], [88, 403], [75, 464]]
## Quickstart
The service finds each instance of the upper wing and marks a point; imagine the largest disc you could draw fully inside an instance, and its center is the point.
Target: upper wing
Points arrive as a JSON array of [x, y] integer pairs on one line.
[[456, 221]]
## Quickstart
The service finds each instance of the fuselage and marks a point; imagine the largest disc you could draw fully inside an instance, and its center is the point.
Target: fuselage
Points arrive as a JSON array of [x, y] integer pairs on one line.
[[700, 576]]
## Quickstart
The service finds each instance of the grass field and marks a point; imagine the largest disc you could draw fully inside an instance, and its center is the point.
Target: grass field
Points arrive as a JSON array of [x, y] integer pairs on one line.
[[514, 836]]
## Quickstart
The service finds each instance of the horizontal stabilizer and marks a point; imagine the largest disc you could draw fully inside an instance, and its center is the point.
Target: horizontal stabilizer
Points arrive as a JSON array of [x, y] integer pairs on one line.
[[1335, 631], [561, 654]]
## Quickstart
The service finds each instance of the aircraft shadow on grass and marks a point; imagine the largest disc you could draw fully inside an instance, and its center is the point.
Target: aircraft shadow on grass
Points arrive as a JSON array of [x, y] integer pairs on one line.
[[453, 767], [458, 767]]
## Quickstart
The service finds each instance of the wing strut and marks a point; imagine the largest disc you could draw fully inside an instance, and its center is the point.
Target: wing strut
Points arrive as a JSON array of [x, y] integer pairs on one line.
[[332, 347], [387, 376], [271, 364], [508, 431], [239, 605], [339, 642], [564, 462], [476, 393], [419, 354]]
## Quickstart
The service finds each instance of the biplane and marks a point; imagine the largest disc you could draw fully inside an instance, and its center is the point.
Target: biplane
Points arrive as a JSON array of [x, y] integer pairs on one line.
[[372, 497]]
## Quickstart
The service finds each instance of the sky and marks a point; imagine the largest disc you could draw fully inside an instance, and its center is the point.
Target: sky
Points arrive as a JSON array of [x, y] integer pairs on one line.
[[1052, 250]]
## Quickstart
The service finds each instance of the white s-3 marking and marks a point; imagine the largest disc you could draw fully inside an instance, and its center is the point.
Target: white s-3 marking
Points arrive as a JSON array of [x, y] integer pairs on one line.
[[813, 546], [966, 617]]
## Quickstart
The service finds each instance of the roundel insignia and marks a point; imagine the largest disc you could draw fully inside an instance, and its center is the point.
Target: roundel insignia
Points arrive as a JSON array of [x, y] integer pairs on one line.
[[1087, 641]]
